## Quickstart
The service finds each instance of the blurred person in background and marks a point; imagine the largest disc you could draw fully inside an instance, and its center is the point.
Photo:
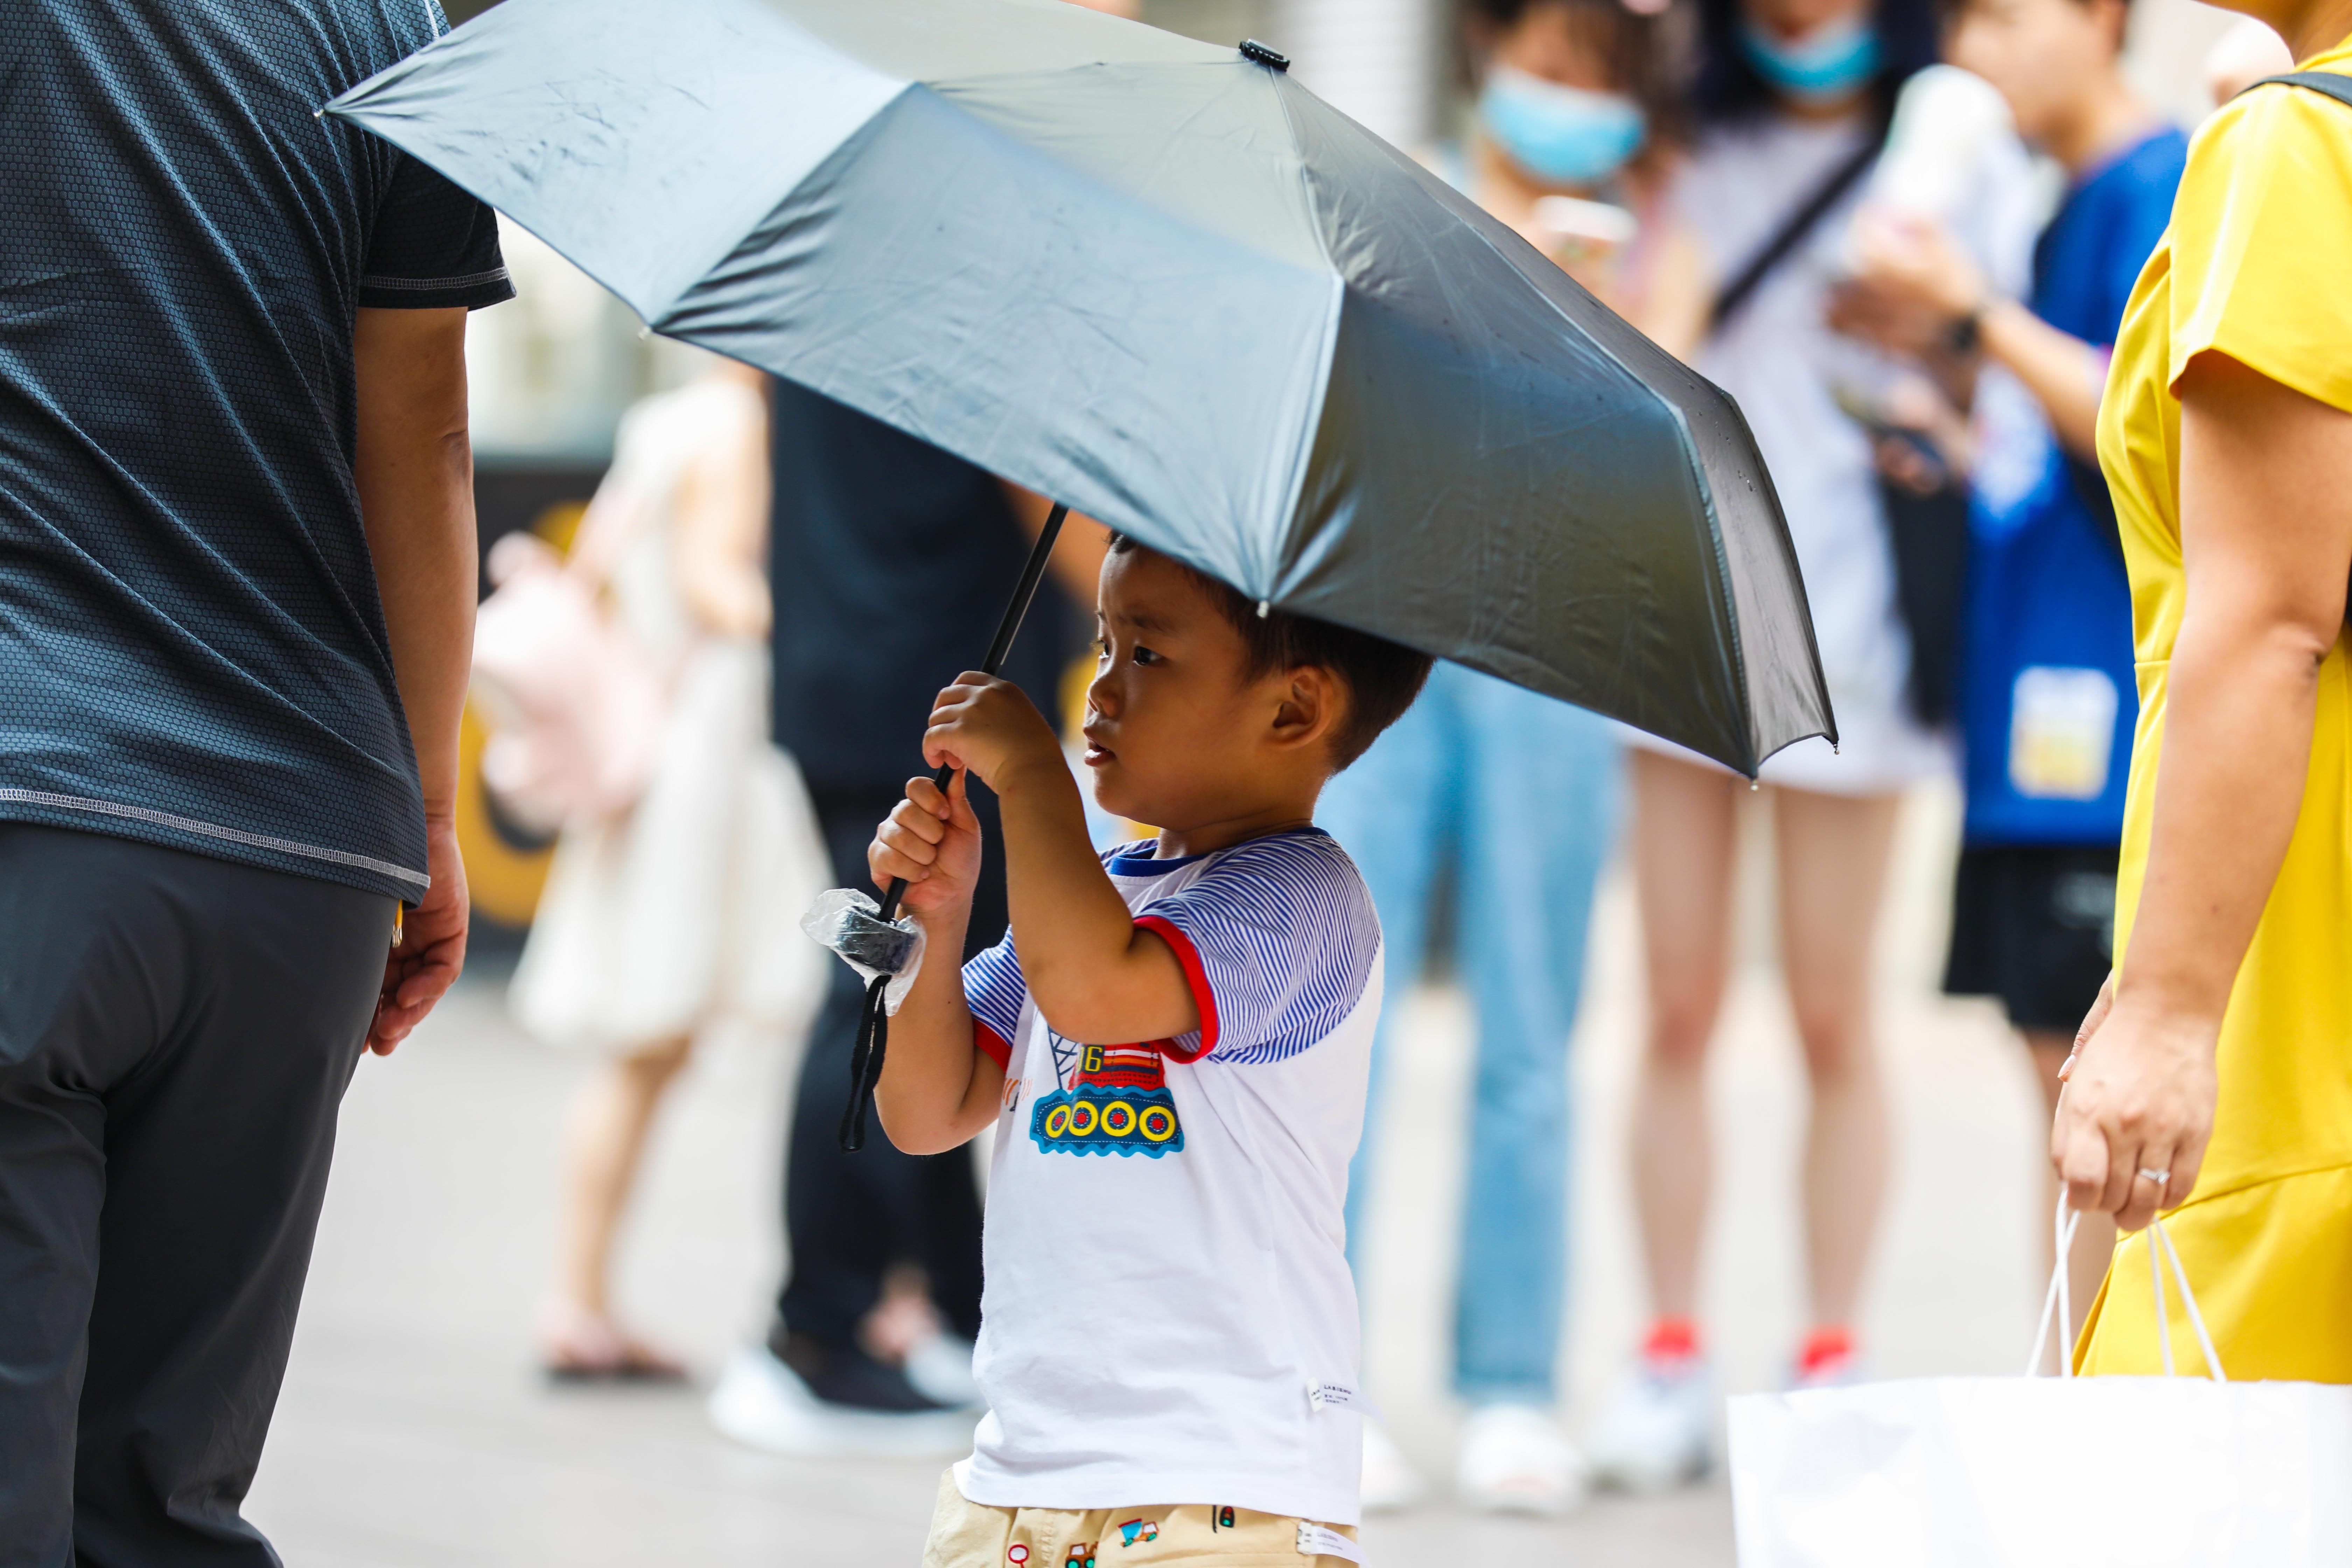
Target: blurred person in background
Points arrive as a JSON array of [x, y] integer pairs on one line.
[[2243, 56], [2212, 1081], [1575, 126], [2047, 693], [870, 1349], [1795, 100], [238, 578], [679, 913]]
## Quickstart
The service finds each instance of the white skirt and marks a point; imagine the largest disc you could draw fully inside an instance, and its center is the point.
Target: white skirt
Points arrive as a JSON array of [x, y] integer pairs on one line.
[[685, 912]]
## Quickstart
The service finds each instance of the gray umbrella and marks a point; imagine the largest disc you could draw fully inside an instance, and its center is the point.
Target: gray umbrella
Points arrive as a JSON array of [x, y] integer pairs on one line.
[[1163, 283]]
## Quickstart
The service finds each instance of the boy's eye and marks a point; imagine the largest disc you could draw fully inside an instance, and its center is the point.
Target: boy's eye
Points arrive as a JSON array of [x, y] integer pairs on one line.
[[1145, 656]]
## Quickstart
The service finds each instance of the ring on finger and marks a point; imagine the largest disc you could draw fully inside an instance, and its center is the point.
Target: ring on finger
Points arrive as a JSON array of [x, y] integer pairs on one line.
[[2159, 1178]]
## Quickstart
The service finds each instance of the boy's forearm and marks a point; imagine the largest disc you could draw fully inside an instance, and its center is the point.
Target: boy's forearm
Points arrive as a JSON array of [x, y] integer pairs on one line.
[[1096, 977], [931, 1096]]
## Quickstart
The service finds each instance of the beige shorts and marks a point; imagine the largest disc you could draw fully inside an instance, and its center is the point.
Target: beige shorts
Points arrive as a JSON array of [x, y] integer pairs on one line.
[[975, 1535]]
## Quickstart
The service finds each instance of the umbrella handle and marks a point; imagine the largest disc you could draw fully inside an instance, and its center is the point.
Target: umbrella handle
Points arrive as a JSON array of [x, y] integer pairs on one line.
[[874, 1019]]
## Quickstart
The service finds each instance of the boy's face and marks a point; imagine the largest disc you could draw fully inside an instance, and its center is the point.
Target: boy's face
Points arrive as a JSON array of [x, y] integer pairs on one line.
[[1177, 734], [2043, 55]]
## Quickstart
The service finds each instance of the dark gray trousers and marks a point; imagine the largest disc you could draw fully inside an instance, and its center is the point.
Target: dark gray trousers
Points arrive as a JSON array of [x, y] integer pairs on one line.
[[175, 1035]]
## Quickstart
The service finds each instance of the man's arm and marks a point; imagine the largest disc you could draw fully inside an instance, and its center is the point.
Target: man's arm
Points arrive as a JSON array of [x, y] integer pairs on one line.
[[2266, 539], [415, 478]]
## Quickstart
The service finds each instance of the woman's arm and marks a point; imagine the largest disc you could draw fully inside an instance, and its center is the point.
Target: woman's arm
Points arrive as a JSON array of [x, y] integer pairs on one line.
[[720, 530], [2266, 541]]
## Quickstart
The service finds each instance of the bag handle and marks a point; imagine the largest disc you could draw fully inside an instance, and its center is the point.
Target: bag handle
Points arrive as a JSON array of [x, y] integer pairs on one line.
[[1804, 217], [2056, 1304]]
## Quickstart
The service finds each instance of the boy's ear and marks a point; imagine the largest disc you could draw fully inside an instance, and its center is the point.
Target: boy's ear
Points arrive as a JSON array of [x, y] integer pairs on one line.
[[1312, 705]]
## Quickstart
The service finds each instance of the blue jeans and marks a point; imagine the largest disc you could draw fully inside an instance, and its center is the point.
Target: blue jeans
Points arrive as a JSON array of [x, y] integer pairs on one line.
[[1523, 792]]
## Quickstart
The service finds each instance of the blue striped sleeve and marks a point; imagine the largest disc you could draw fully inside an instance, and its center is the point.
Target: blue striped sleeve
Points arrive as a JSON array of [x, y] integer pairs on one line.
[[1277, 940], [994, 987]]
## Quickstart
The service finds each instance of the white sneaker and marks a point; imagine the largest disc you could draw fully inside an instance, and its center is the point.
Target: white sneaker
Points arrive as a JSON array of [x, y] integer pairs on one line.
[[1515, 1459], [940, 1369], [1657, 1434], [762, 1403], [1391, 1483]]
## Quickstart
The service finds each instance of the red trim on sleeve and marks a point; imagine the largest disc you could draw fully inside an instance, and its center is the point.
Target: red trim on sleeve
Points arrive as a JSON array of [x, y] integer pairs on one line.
[[992, 1045], [1195, 978]]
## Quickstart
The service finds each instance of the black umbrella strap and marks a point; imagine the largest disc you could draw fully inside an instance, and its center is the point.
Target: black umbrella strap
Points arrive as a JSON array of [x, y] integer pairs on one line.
[[866, 1063], [874, 1023], [1803, 218]]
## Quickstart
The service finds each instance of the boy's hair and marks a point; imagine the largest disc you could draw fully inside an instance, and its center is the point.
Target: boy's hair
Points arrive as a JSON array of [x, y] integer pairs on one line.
[[1383, 678]]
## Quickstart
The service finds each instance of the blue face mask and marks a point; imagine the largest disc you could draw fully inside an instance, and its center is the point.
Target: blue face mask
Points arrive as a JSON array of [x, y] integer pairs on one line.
[[1561, 135], [1834, 62]]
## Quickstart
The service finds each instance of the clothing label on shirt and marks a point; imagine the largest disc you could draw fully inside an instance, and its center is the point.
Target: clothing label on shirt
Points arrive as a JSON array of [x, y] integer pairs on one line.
[[1337, 1396], [1322, 1541], [2062, 726]]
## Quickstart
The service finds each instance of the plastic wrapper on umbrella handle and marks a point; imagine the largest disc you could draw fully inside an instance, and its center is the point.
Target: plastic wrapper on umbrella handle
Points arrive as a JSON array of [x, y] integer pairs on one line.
[[850, 923]]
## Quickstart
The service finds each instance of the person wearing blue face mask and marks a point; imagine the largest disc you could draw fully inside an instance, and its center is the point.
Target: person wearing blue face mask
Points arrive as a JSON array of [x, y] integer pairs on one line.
[[1572, 140], [1572, 145], [1794, 101]]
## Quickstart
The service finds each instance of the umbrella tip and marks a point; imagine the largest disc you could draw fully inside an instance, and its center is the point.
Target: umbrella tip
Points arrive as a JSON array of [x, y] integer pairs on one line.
[[1263, 607], [1253, 50]]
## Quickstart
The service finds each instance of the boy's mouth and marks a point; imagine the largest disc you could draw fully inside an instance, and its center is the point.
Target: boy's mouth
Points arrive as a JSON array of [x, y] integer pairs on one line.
[[1099, 755]]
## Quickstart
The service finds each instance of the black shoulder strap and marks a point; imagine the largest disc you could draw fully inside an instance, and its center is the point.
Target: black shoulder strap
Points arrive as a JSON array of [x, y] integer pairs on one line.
[[2333, 85], [1800, 222]]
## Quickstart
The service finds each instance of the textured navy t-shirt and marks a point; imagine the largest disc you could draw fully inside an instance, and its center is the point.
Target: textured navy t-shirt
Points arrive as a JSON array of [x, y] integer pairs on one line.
[[191, 650]]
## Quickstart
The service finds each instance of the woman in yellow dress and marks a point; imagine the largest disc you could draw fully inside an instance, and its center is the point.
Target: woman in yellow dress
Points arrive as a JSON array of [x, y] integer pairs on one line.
[[2214, 1080]]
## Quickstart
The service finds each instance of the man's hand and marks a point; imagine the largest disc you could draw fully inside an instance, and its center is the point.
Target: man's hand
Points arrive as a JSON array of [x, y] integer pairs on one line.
[[932, 840], [990, 727], [432, 950], [2139, 1097]]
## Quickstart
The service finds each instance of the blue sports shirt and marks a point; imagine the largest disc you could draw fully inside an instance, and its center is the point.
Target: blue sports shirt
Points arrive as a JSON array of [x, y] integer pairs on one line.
[[191, 650], [2048, 699]]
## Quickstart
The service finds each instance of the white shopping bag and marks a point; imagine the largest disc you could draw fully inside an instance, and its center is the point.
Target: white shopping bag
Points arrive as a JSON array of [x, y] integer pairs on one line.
[[2048, 1472]]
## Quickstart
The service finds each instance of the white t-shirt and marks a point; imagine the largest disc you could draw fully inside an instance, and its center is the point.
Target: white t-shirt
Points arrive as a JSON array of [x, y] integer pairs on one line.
[[1168, 1316]]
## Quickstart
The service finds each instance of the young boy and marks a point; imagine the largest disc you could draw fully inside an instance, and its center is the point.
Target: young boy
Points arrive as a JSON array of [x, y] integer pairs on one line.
[[1168, 1330]]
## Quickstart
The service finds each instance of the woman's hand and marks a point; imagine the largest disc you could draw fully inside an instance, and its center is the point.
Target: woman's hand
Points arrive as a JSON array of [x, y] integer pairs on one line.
[[2138, 1098], [932, 840]]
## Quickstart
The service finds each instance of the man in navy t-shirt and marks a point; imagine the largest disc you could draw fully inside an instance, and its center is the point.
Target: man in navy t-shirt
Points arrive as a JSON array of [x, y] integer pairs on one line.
[[2048, 700], [237, 590]]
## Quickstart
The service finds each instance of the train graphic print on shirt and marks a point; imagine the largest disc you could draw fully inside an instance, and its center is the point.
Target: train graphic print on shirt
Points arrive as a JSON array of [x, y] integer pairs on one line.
[[1116, 1101]]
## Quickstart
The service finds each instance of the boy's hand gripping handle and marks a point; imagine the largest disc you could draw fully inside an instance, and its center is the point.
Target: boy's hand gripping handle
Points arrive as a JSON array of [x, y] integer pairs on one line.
[[874, 1022]]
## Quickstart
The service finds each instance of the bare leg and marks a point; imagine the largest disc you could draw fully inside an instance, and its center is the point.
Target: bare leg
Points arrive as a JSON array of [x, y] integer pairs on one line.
[[603, 1147], [1686, 833], [2095, 1237], [1833, 851]]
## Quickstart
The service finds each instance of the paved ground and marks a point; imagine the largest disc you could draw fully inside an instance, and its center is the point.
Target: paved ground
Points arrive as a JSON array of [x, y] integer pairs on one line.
[[413, 1431]]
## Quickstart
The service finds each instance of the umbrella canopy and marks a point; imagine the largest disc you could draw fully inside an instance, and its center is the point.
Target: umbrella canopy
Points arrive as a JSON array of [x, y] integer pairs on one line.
[[1159, 281]]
